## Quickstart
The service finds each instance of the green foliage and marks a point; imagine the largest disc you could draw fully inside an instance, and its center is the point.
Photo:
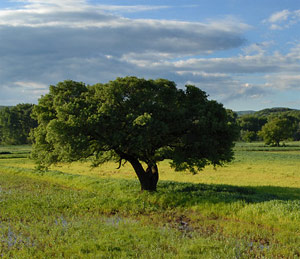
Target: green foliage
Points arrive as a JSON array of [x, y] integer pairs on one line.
[[232, 120], [297, 133], [133, 119], [16, 124], [242, 113], [248, 136], [66, 213], [3, 107], [251, 122], [279, 111], [250, 125], [278, 129]]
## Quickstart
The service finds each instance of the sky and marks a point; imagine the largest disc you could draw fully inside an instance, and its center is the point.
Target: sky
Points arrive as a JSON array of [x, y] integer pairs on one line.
[[242, 53]]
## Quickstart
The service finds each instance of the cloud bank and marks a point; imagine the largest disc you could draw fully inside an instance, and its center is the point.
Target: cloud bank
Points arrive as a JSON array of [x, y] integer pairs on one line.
[[44, 42]]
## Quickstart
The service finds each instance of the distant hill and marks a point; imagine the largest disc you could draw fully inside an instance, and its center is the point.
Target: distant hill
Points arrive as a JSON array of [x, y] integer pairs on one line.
[[274, 111], [241, 113], [270, 111], [2, 107]]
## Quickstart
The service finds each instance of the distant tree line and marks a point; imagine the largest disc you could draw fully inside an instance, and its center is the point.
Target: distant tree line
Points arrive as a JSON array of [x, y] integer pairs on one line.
[[270, 125], [16, 124]]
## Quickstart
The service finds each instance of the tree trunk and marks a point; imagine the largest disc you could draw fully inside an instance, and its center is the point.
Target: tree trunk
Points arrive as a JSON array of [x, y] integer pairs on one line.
[[148, 178], [151, 178]]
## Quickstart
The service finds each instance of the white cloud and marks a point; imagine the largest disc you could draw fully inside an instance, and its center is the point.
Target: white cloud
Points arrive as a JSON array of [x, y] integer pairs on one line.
[[49, 41], [283, 19], [294, 51], [80, 4], [279, 16], [44, 42], [284, 81], [228, 78], [110, 33], [257, 63], [257, 48], [130, 8]]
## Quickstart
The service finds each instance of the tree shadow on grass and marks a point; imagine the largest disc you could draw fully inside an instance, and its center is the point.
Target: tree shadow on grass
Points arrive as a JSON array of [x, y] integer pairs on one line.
[[189, 194], [170, 194]]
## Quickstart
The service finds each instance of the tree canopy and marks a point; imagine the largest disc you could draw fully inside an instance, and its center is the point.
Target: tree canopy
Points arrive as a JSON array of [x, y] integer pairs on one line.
[[16, 123], [278, 129], [251, 125], [135, 120]]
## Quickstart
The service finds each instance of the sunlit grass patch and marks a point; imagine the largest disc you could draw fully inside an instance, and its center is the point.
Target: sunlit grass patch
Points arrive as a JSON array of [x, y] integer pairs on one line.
[[275, 167], [51, 216], [247, 209], [39, 219]]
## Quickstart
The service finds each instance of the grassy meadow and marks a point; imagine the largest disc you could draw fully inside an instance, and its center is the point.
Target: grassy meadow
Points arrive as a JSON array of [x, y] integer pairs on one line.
[[248, 209]]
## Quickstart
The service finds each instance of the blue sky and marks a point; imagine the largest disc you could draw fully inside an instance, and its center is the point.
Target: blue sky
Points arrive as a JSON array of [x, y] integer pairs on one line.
[[243, 53]]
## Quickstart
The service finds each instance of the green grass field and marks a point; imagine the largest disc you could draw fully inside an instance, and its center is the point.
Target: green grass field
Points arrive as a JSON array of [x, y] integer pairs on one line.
[[247, 209]]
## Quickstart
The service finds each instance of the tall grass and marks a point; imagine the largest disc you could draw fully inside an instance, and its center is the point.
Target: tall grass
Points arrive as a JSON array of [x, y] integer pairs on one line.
[[248, 209]]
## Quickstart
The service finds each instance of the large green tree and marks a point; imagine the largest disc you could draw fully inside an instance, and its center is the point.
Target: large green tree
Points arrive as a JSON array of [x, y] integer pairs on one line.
[[16, 123], [278, 129], [135, 120]]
